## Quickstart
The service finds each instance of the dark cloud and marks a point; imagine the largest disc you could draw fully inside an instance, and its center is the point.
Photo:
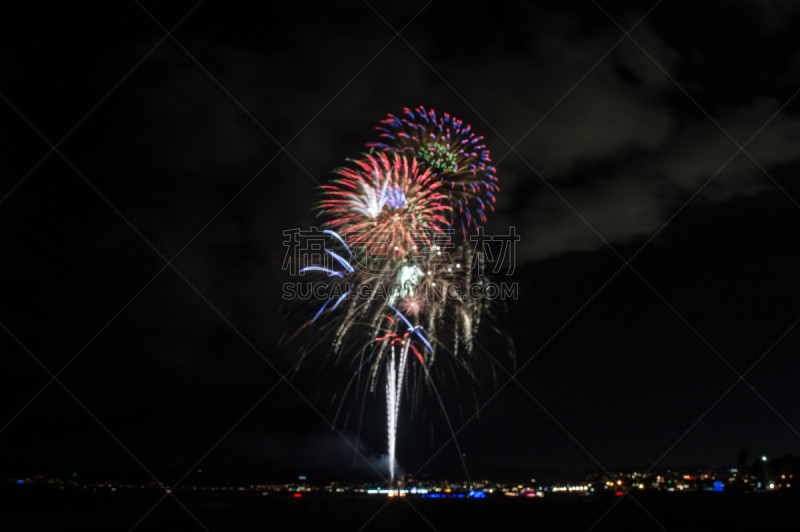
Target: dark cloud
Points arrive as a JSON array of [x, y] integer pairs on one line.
[[621, 150], [643, 192]]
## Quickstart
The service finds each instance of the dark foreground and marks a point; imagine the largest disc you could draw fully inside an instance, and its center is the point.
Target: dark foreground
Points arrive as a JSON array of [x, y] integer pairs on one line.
[[46, 510]]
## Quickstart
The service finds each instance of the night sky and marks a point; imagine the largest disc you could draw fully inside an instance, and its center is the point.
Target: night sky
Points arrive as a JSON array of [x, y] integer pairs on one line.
[[147, 179]]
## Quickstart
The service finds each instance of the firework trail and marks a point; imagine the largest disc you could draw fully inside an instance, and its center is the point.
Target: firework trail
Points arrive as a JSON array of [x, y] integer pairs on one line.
[[401, 275]]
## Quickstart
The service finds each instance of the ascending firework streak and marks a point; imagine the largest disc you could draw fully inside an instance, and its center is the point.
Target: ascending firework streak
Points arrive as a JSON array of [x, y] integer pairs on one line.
[[395, 371], [393, 214]]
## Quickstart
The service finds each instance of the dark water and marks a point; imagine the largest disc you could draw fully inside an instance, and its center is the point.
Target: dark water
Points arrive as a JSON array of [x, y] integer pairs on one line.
[[121, 511]]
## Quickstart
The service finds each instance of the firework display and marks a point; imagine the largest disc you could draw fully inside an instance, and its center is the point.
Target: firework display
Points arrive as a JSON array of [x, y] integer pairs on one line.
[[457, 157], [398, 260]]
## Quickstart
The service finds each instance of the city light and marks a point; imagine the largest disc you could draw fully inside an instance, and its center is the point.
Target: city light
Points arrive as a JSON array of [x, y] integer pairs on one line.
[[778, 477]]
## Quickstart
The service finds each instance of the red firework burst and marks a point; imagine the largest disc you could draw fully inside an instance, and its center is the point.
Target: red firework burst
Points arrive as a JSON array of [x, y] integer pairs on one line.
[[386, 204]]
